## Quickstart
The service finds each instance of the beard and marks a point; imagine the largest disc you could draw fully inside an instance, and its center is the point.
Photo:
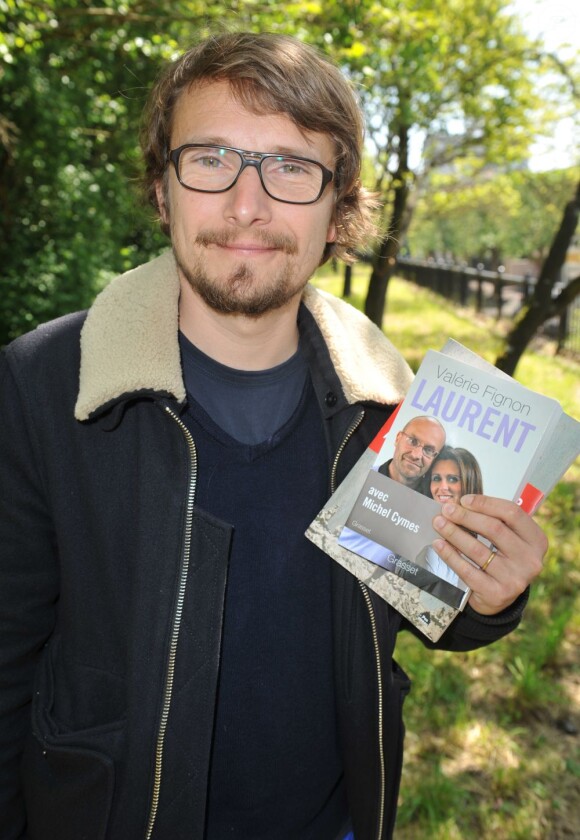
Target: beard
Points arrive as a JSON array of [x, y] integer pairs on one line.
[[240, 293]]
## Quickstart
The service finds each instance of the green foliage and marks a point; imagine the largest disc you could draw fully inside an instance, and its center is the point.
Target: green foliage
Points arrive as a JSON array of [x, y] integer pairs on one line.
[[74, 76], [474, 211], [73, 82], [455, 73]]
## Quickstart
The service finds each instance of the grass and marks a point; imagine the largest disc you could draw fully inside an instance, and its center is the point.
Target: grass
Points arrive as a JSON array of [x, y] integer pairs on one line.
[[493, 735]]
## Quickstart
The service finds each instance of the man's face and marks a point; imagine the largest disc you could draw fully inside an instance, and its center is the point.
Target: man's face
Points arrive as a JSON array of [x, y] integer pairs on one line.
[[410, 463], [241, 251]]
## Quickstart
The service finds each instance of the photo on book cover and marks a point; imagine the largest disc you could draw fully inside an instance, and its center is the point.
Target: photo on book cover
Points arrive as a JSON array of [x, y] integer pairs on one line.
[[458, 431]]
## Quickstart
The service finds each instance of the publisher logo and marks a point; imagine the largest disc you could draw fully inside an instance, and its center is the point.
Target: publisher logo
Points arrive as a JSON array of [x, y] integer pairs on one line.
[[425, 618]]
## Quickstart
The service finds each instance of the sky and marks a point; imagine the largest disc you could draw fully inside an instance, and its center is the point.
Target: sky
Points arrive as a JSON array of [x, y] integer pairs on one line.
[[557, 22]]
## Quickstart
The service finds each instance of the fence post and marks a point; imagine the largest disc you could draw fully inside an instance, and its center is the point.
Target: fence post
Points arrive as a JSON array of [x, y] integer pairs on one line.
[[499, 290], [525, 290], [479, 291], [463, 287], [346, 290], [562, 330]]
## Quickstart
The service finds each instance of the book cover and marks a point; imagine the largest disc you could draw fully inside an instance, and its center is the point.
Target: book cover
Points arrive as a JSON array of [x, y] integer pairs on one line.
[[459, 430], [380, 528]]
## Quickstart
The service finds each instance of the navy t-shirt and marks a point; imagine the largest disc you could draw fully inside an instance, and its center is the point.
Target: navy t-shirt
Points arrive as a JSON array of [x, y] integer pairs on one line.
[[276, 770], [249, 405]]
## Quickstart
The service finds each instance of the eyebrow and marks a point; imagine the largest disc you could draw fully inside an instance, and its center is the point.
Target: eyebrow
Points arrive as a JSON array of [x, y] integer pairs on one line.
[[276, 150]]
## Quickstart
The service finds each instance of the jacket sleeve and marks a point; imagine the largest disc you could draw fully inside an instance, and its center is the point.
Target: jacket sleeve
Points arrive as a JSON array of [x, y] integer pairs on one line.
[[28, 589], [471, 630]]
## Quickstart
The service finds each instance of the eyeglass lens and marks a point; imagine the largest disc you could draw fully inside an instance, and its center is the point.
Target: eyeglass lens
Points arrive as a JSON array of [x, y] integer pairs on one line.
[[213, 169], [415, 443]]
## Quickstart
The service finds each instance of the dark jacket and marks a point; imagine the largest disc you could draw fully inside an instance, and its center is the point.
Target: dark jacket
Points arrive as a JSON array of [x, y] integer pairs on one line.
[[112, 581]]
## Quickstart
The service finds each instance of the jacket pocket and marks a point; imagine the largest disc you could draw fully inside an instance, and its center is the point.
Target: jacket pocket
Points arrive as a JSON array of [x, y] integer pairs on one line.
[[68, 775], [68, 792]]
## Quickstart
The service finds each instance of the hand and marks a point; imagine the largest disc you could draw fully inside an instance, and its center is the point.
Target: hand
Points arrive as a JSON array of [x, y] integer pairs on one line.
[[520, 542]]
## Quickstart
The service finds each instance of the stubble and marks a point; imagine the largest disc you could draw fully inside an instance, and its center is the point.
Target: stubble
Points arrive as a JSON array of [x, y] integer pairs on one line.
[[241, 292]]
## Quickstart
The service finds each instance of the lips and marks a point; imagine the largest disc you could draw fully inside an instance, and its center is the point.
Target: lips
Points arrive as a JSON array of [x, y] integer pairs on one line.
[[267, 242], [443, 497], [410, 463], [248, 248]]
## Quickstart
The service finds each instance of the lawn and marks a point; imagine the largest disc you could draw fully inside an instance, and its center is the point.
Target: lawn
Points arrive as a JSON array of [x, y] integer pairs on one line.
[[493, 736]]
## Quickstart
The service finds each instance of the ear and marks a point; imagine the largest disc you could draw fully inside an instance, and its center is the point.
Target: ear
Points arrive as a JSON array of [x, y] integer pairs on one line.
[[331, 232], [161, 193]]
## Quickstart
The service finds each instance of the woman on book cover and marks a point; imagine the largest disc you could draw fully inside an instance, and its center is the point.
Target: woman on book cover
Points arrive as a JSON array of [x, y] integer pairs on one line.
[[454, 473]]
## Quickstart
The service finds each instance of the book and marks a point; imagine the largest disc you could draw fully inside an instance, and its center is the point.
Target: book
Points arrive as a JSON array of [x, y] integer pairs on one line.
[[519, 442]]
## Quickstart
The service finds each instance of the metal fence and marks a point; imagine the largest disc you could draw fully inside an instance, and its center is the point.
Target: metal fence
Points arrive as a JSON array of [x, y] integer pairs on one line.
[[493, 292]]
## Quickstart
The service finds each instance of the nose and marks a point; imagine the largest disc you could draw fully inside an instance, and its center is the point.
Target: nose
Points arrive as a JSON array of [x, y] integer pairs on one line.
[[247, 202]]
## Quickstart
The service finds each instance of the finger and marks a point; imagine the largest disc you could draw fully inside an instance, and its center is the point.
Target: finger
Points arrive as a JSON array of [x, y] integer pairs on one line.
[[519, 560], [520, 544], [492, 589], [502, 510], [470, 573], [516, 561], [463, 542], [501, 522]]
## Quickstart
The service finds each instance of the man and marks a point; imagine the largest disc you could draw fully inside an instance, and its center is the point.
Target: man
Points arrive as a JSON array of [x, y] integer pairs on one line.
[[416, 445], [176, 659]]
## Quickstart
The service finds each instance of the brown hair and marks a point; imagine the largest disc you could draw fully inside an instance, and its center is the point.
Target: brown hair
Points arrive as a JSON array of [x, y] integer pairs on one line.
[[271, 73]]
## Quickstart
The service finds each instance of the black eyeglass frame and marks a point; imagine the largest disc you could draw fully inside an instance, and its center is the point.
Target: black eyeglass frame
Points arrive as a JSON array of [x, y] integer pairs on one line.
[[249, 159]]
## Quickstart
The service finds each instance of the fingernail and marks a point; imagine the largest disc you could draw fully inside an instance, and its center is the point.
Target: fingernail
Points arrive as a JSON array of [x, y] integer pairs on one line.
[[438, 545], [439, 522], [467, 500], [448, 508]]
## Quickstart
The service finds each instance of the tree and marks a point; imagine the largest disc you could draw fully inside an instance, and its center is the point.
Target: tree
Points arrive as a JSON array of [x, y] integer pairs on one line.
[[74, 77], [67, 167], [455, 75], [468, 213], [543, 305]]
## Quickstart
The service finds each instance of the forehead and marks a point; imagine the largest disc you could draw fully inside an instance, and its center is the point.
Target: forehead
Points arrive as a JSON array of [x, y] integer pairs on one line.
[[425, 430], [446, 467], [211, 113]]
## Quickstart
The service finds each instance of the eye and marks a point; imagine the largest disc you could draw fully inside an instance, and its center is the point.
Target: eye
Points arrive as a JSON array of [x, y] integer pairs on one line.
[[453, 479], [291, 168], [436, 478], [209, 162], [206, 160]]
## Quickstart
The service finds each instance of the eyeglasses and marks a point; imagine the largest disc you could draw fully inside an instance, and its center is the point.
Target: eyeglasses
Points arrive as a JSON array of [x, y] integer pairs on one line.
[[215, 169], [428, 450]]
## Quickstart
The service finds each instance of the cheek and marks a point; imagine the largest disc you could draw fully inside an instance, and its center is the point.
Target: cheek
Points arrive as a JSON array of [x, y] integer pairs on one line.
[[186, 213], [314, 232]]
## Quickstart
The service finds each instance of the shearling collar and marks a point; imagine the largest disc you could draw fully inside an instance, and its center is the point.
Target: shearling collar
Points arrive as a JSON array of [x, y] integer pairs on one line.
[[129, 343]]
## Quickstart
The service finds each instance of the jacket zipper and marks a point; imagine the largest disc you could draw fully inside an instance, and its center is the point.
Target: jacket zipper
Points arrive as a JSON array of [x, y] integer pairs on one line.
[[177, 616], [349, 433], [370, 608]]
